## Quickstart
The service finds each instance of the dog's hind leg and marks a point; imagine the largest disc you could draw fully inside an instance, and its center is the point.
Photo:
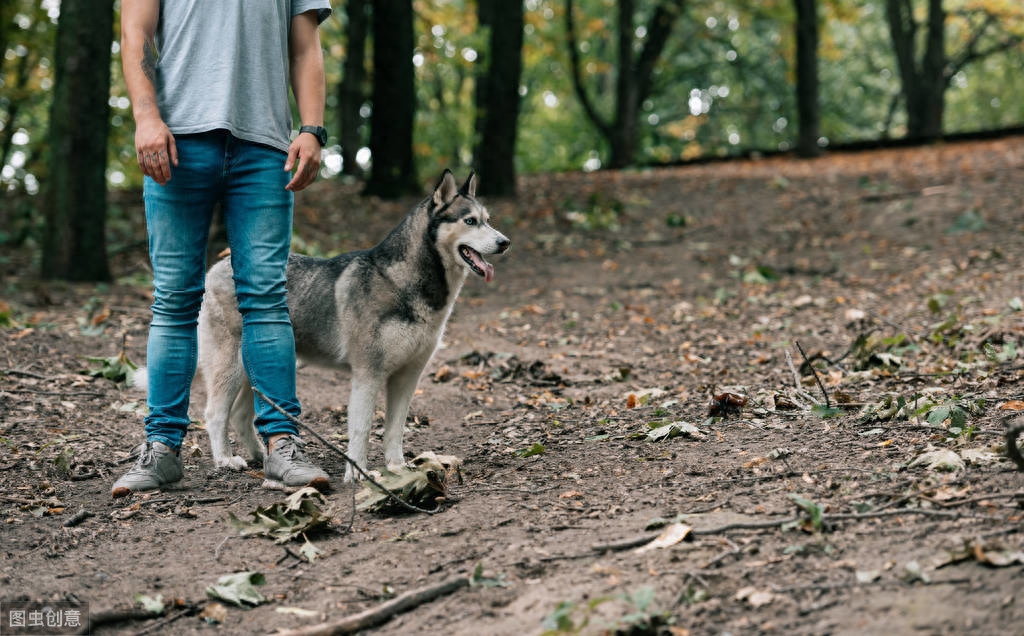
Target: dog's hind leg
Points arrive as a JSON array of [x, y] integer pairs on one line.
[[223, 387], [243, 412], [361, 405], [400, 389]]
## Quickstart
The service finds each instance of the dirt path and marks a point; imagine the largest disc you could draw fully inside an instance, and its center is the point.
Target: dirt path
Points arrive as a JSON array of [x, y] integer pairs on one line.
[[629, 302]]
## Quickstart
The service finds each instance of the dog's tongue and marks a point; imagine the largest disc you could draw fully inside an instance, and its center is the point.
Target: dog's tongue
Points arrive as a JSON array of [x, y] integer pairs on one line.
[[486, 267]]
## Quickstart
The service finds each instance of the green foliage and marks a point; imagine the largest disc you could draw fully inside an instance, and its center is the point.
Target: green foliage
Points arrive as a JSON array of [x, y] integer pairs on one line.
[[536, 449], [639, 617], [812, 513], [724, 85], [116, 368], [600, 212]]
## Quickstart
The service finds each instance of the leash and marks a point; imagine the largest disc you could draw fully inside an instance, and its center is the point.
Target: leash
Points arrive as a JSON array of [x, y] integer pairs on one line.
[[405, 504]]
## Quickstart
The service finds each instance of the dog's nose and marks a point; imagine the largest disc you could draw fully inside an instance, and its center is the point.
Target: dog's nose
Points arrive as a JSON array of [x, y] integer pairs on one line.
[[503, 244]]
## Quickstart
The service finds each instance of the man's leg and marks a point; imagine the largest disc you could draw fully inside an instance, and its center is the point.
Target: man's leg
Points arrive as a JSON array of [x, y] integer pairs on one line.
[[177, 220], [258, 214]]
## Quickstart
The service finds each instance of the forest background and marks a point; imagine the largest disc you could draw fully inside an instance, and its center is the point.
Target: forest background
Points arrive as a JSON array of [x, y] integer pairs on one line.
[[574, 85]]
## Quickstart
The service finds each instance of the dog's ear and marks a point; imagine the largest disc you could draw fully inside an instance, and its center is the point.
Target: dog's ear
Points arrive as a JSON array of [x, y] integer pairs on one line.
[[469, 187], [445, 190]]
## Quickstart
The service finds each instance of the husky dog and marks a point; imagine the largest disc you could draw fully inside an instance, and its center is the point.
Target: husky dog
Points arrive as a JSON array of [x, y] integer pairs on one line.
[[379, 312]]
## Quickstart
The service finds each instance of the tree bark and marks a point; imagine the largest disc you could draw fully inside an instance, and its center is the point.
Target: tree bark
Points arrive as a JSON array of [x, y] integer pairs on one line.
[[923, 84], [394, 101], [497, 96], [351, 94], [75, 199], [808, 108], [634, 79]]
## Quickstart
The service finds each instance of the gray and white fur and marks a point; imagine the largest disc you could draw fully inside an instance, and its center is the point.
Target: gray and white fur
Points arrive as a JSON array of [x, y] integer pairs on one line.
[[379, 312]]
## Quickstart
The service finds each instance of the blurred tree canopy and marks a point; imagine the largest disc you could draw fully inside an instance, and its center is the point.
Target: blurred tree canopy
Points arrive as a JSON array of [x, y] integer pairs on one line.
[[724, 82]]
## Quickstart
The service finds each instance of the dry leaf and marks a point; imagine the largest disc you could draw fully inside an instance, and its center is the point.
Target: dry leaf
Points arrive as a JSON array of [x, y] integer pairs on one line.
[[668, 538]]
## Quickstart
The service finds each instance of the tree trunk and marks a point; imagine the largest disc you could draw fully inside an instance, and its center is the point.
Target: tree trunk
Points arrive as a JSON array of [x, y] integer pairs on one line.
[[808, 110], [934, 79], [634, 79], [923, 84], [623, 140], [394, 101], [350, 90], [75, 202], [497, 97]]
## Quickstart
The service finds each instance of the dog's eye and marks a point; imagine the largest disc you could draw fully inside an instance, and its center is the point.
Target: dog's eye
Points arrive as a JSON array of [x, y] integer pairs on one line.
[[469, 220]]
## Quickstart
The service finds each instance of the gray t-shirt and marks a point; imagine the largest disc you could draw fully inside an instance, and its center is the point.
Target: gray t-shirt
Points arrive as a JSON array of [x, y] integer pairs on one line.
[[223, 64]]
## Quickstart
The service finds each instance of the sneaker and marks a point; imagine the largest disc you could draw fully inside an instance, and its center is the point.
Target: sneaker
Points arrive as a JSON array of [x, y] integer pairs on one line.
[[288, 465], [156, 466]]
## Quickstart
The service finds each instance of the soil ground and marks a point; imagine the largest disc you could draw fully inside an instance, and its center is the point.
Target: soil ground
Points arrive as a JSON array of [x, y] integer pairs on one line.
[[629, 301]]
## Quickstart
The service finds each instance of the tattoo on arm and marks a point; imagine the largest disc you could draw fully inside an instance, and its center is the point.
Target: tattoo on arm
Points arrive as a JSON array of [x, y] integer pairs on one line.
[[149, 56]]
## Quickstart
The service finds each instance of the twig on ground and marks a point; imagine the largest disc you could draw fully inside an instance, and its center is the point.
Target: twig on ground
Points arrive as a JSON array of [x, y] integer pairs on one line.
[[216, 551], [114, 616], [78, 518], [188, 611], [383, 612], [626, 544], [830, 587], [344, 455], [796, 383], [821, 386], [27, 374]]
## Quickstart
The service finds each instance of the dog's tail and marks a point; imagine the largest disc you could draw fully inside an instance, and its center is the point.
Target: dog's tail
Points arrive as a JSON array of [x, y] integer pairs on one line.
[[138, 380]]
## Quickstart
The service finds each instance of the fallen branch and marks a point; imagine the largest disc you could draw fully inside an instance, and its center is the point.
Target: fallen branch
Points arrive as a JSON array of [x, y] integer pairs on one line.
[[114, 616], [382, 613]]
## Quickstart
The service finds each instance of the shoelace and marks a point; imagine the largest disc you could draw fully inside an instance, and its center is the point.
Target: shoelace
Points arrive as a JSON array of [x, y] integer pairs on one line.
[[291, 449]]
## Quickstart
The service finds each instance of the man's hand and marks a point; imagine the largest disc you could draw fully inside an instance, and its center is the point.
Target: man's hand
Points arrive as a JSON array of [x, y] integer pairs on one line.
[[155, 149], [304, 156]]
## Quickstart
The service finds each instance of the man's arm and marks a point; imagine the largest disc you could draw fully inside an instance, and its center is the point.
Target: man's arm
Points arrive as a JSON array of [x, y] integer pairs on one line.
[[308, 85], [154, 143]]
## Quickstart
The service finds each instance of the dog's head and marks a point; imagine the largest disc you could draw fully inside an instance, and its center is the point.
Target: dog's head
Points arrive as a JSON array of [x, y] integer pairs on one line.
[[463, 229]]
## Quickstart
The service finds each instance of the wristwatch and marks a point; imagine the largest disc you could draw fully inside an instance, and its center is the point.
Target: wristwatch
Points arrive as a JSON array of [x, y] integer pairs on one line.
[[317, 131]]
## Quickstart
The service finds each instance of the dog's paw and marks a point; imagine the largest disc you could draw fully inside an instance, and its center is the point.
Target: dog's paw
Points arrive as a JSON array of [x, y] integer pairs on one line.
[[351, 476], [234, 462]]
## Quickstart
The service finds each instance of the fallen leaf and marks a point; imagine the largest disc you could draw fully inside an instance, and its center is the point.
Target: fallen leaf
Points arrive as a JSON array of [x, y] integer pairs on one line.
[[756, 598], [296, 611], [150, 604], [674, 430], [912, 572], [672, 535], [943, 460], [725, 403], [238, 589], [310, 552], [421, 483], [300, 513], [214, 613]]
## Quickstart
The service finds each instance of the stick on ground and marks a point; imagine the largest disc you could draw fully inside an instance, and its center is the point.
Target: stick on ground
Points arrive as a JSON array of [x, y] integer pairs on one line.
[[383, 612]]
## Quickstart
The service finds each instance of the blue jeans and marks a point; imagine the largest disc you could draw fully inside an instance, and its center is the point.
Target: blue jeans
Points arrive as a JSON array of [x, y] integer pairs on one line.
[[248, 181]]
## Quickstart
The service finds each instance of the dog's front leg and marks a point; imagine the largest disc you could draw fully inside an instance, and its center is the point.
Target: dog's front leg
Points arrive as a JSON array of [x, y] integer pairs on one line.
[[361, 404], [401, 387]]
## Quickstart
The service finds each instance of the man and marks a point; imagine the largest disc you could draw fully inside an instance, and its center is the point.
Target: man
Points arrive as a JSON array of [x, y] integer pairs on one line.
[[208, 82]]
